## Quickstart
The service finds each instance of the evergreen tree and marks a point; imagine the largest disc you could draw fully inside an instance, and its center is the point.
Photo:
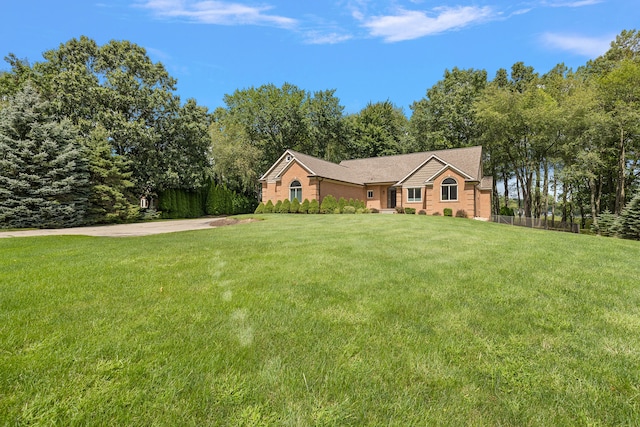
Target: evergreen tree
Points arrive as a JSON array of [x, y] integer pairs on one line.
[[629, 226], [44, 176], [111, 199], [314, 206]]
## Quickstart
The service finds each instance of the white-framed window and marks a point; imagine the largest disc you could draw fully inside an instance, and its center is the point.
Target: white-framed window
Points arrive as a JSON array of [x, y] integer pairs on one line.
[[369, 194], [414, 195], [295, 191], [449, 189]]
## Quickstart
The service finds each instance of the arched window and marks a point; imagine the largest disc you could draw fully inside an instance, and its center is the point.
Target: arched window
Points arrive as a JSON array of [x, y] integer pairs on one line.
[[295, 191], [449, 189]]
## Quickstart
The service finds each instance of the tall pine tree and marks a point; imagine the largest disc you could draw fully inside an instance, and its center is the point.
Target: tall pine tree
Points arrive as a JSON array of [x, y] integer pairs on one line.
[[43, 169]]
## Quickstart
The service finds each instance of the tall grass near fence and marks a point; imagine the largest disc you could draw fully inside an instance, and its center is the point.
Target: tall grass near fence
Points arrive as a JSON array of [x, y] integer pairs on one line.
[[322, 320]]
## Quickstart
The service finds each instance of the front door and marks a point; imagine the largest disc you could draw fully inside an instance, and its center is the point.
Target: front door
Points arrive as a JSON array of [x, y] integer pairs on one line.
[[391, 198]]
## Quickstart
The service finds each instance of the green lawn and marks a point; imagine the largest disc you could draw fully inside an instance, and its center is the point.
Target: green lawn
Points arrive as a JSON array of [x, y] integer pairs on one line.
[[322, 320]]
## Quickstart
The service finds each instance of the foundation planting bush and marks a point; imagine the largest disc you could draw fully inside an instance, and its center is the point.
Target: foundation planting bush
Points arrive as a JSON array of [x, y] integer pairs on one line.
[[277, 207], [422, 212], [295, 206], [410, 211], [461, 213], [304, 207], [328, 205], [314, 207], [268, 207], [260, 208], [448, 212], [285, 206], [349, 210]]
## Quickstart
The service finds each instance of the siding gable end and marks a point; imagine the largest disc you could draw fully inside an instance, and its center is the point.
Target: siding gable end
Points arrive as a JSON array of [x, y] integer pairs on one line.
[[419, 177]]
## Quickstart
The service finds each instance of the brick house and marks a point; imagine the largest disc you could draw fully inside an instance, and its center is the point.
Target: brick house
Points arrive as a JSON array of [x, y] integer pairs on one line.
[[429, 181]]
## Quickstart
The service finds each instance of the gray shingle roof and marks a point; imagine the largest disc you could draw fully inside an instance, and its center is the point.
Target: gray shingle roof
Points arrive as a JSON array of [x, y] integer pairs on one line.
[[391, 169]]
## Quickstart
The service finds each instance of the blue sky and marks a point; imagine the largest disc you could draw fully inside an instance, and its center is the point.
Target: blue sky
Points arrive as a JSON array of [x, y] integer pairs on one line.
[[368, 50]]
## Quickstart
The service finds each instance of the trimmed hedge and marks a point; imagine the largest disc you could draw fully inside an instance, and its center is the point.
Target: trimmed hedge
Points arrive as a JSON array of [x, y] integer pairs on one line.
[[410, 211], [448, 212]]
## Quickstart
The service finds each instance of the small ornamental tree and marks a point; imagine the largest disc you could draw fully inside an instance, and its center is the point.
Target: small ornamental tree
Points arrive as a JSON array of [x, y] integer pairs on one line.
[[268, 207], [259, 209], [277, 207], [629, 221], [314, 207]]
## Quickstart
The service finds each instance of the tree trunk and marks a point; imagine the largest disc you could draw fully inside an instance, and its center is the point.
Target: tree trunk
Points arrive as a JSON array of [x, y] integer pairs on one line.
[[594, 211], [621, 169]]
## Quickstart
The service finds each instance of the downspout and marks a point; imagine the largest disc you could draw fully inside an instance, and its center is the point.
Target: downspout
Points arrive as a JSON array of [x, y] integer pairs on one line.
[[475, 201]]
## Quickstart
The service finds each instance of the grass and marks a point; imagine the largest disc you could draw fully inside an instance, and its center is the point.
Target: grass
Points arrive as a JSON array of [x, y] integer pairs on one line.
[[322, 320]]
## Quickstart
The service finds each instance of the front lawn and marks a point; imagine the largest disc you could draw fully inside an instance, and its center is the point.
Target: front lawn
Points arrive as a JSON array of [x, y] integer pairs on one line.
[[322, 320]]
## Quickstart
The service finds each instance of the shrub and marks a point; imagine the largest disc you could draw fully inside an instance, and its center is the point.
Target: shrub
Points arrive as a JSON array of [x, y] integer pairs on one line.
[[505, 211], [328, 205], [460, 213], [285, 207], [374, 210], [337, 211], [422, 212], [277, 207], [399, 209], [448, 212], [304, 207], [349, 210], [268, 207], [410, 211], [352, 203], [359, 211], [259, 209], [295, 206], [314, 207], [436, 213], [342, 203]]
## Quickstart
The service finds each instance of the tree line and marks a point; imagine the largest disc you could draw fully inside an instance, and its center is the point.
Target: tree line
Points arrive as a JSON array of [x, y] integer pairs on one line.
[[564, 141]]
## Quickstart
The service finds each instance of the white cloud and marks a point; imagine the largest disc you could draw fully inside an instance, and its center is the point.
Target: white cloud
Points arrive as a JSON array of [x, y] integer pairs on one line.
[[217, 12], [315, 37], [590, 47], [577, 3], [408, 24]]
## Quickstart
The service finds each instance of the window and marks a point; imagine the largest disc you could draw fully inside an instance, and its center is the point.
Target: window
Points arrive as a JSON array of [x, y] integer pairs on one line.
[[414, 195], [449, 189], [370, 194], [295, 191]]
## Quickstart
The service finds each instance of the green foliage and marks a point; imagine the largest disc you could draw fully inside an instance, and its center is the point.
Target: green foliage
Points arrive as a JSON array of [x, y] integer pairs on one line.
[[608, 224], [342, 202], [295, 206], [44, 172], [260, 208], [268, 207], [314, 207], [399, 209], [446, 118], [505, 211], [448, 212], [379, 129], [422, 212], [348, 210], [285, 206], [629, 225], [329, 205], [304, 207], [278, 207], [111, 198], [410, 211], [461, 213]]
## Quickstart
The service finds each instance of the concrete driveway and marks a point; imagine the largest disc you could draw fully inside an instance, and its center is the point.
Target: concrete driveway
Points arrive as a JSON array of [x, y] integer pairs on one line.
[[126, 230]]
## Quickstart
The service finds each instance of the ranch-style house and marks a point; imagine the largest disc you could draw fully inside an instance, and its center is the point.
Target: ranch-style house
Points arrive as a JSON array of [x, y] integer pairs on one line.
[[429, 181]]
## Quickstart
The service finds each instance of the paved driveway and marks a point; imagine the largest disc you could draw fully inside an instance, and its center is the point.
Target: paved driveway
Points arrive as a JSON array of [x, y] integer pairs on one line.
[[125, 230]]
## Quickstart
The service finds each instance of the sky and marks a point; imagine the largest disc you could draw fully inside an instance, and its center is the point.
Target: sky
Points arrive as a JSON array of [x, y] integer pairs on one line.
[[367, 50]]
